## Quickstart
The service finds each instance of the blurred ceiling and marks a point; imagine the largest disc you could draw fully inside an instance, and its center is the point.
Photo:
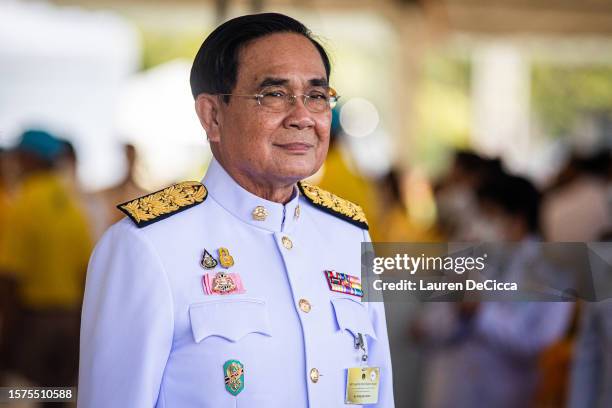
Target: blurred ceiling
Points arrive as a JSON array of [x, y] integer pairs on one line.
[[486, 16], [535, 16]]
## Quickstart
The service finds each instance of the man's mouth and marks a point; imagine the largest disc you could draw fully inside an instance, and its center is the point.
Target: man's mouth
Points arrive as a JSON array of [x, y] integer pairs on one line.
[[295, 147]]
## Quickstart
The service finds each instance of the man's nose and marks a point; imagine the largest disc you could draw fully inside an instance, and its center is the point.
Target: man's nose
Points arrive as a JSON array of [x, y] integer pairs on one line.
[[298, 116]]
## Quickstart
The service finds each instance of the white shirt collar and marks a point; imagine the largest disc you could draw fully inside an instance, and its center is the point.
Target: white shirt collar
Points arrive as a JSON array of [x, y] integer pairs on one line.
[[242, 204]]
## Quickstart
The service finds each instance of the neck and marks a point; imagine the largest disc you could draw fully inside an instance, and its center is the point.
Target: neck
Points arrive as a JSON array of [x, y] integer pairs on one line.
[[277, 194], [280, 192]]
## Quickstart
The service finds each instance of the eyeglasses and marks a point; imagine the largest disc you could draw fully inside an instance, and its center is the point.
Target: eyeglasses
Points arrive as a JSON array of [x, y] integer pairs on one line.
[[278, 100]]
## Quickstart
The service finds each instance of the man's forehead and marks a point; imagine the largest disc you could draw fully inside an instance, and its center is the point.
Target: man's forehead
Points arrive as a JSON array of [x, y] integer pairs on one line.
[[287, 56]]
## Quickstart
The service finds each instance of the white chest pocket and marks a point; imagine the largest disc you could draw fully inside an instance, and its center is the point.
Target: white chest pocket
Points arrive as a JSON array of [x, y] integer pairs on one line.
[[231, 319], [353, 316]]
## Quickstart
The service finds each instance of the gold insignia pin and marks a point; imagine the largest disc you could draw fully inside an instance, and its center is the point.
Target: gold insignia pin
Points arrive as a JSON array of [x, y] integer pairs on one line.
[[223, 283], [208, 262], [225, 258]]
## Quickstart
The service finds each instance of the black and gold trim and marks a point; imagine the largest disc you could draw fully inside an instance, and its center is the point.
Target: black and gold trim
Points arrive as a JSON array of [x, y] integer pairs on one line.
[[164, 203], [334, 205]]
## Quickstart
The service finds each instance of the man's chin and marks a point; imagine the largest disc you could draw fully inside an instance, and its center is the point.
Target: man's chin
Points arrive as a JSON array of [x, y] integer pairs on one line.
[[297, 170]]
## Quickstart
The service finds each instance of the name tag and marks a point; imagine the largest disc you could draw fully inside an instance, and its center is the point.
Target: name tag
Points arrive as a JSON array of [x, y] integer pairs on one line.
[[362, 385]]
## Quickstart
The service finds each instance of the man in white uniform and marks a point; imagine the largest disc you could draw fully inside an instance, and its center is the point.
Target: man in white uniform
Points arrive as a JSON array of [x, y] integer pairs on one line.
[[243, 290]]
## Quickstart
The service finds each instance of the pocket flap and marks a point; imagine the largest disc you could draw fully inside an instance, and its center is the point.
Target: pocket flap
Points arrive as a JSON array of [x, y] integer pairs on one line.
[[353, 316], [231, 319]]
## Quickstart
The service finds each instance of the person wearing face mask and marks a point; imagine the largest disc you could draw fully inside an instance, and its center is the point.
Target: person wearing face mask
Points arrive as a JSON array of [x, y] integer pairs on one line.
[[456, 196], [510, 205], [485, 354], [455, 199], [243, 290]]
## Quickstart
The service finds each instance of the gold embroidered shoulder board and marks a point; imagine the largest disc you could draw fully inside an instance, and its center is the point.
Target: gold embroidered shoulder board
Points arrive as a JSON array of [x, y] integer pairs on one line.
[[334, 205], [164, 203]]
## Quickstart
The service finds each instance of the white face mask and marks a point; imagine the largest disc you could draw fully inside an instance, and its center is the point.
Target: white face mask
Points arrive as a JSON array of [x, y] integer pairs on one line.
[[455, 200], [486, 229], [457, 211]]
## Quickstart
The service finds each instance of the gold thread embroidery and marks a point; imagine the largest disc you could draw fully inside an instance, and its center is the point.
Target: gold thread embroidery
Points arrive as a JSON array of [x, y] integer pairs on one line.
[[166, 201], [328, 200]]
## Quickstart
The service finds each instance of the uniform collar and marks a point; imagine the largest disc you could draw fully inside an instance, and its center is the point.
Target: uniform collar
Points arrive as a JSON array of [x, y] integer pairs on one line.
[[248, 207]]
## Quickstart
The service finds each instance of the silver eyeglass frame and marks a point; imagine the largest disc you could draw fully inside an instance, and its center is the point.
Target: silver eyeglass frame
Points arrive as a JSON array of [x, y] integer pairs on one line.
[[331, 101]]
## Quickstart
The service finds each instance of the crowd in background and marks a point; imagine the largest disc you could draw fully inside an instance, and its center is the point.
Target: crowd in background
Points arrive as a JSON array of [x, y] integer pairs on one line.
[[501, 354], [48, 227], [488, 354]]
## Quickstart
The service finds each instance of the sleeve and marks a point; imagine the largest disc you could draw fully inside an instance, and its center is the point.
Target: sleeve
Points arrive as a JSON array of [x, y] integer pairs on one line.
[[586, 369], [379, 354], [127, 322]]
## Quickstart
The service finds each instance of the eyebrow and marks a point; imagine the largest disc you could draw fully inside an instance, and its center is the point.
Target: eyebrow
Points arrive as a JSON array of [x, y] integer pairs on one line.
[[318, 82], [271, 81]]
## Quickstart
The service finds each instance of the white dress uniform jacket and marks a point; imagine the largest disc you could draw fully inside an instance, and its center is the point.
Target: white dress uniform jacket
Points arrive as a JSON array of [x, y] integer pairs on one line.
[[152, 337]]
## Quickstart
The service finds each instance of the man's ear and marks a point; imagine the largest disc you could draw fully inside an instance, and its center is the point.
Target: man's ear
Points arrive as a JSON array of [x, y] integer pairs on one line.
[[207, 109]]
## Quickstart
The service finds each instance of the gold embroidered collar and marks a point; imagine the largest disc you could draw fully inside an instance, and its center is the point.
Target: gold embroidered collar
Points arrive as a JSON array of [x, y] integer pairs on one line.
[[164, 203], [334, 205]]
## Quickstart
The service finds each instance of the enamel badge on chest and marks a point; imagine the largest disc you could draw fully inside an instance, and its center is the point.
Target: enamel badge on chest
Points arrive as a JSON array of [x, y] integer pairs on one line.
[[225, 258], [208, 262], [344, 283], [233, 371], [222, 283]]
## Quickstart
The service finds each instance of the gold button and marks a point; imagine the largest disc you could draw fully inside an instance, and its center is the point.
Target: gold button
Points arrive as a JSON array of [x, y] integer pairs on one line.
[[287, 242], [260, 213], [305, 305], [314, 375]]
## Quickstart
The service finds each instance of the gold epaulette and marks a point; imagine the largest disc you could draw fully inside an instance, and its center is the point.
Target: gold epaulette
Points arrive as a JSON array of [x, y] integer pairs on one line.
[[334, 205], [164, 203]]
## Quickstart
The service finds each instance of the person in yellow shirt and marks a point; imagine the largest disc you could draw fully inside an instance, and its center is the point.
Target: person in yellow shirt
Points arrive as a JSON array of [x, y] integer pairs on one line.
[[340, 175], [7, 280], [406, 210], [47, 254]]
